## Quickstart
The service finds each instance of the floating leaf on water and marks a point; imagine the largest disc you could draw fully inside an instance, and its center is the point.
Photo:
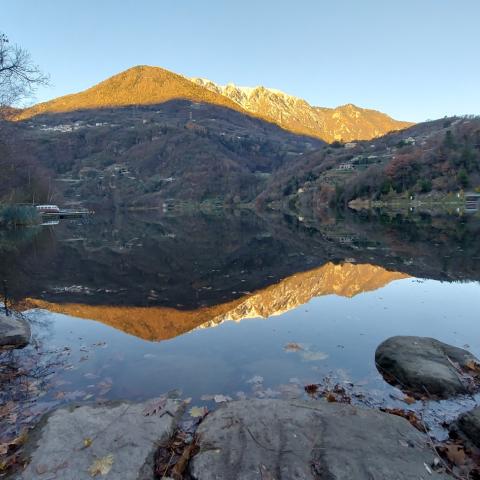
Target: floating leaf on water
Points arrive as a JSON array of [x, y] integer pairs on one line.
[[293, 347], [198, 412], [101, 466]]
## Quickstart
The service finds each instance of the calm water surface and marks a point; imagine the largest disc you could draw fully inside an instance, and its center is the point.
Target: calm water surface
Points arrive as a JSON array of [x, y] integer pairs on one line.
[[133, 307]]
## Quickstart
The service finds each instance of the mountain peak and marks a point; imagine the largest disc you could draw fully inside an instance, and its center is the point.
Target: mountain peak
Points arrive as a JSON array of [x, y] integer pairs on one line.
[[139, 85]]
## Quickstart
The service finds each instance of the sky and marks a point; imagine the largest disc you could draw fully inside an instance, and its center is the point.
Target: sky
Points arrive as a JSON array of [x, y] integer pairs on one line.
[[412, 59]]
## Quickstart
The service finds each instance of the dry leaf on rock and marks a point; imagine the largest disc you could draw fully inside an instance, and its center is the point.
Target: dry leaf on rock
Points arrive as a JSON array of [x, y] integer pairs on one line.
[[101, 466], [87, 442]]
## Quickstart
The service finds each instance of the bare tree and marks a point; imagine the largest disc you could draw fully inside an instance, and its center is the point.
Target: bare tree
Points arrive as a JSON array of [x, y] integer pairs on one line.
[[19, 76]]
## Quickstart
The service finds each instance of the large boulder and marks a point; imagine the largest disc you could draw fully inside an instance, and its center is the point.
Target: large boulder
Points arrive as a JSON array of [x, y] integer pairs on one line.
[[112, 441], [468, 425], [425, 366], [278, 439], [14, 331]]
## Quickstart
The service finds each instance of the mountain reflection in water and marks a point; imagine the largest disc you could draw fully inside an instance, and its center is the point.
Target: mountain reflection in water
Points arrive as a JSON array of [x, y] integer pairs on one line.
[[161, 323]]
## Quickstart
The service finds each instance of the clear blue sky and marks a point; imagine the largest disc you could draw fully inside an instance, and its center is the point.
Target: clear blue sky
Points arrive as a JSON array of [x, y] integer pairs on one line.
[[413, 59]]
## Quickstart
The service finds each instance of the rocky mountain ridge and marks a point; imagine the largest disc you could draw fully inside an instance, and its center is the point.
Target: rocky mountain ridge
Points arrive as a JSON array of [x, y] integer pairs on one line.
[[146, 85], [343, 123]]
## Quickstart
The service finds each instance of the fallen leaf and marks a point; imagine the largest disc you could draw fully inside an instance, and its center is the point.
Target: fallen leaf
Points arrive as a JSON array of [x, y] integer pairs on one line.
[[456, 454], [331, 397], [101, 466], [311, 389], [197, 412], [292, 347], [409, 400], [87, 442]]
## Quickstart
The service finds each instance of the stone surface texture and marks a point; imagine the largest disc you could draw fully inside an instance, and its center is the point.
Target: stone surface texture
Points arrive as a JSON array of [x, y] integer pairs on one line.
[[424, 366], [282, 440], [67, 442]]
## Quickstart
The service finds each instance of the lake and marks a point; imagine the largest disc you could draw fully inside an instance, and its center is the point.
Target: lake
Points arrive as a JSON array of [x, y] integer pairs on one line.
[[217, 305]]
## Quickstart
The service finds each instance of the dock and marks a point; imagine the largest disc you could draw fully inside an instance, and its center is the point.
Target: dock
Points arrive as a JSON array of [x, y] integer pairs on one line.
[[67, 213]]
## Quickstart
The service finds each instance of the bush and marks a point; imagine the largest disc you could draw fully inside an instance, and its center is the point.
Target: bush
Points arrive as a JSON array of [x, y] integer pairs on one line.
[[17, 215]]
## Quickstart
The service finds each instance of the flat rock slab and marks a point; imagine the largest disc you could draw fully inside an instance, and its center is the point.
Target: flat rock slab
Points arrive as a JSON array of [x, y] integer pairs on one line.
[[282, 440], [117, 441], [422, 366], [14, 332]]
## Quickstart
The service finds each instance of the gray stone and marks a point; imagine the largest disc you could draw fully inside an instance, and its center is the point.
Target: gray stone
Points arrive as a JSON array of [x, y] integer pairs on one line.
[[59, 446], [14, 331], [278, 439], [468, 425], [422, 365]]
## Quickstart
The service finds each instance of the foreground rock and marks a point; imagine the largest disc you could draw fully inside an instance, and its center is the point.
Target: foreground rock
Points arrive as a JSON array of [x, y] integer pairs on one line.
[[277, 439], [14, 332], [112, 441], [422, 366], [468, 425]]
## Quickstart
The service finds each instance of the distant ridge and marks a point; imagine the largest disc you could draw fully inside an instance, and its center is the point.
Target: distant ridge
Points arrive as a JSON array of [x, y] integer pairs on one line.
[[343, 123], [146, 85]]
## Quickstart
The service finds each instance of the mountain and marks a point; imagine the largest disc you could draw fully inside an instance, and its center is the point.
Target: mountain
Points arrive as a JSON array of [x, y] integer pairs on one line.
[[345, 123], [141, 85], [162, 323], [145, 85]]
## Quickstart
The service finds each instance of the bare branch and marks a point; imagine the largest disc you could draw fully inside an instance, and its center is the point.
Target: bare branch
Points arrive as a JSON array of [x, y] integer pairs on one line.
[[19, 76]]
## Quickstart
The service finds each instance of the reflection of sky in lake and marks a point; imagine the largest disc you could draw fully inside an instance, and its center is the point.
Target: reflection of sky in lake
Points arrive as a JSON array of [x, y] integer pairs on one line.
[[339, 336]]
